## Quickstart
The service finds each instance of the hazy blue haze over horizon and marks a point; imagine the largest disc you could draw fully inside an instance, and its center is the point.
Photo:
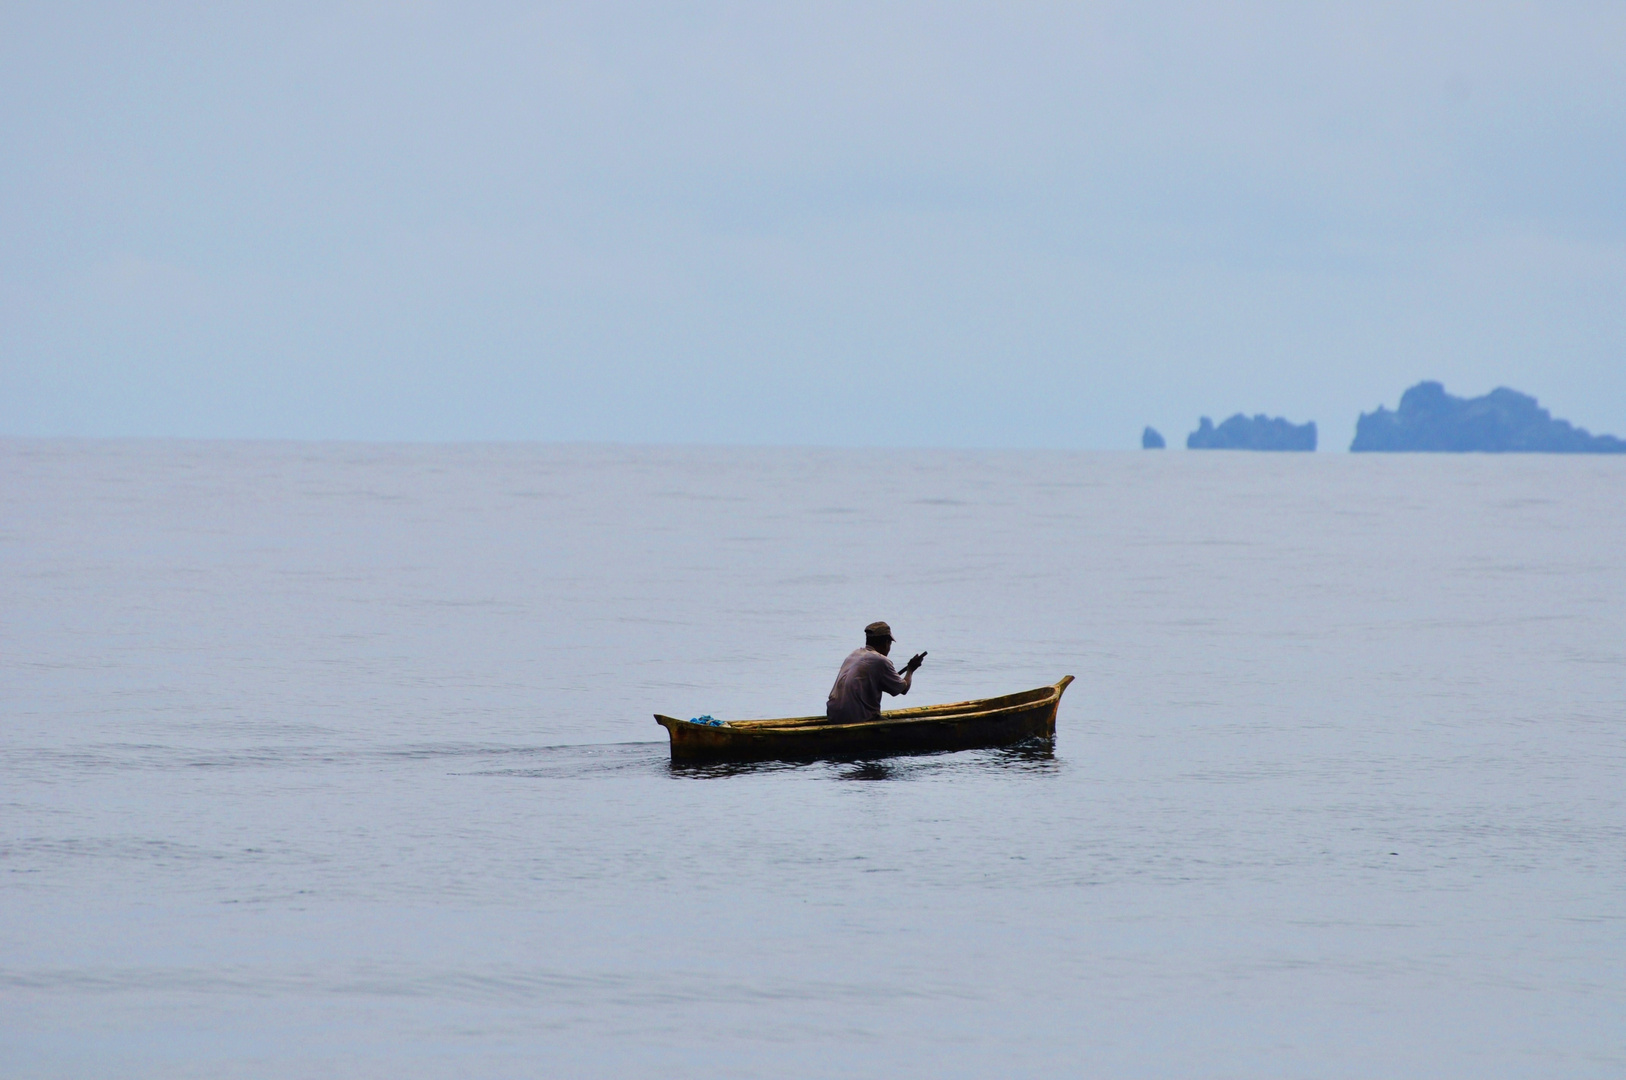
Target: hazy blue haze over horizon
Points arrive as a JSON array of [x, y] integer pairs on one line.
[[337, 760], [817, 224]]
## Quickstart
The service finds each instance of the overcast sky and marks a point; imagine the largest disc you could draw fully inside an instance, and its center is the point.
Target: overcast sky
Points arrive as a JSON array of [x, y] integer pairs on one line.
[[821, 223]]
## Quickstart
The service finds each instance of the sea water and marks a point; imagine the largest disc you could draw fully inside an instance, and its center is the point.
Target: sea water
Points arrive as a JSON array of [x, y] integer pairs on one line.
[[338, 760]]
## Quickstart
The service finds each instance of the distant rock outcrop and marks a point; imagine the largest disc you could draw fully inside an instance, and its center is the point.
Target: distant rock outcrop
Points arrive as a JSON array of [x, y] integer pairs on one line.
[[1503, 421], [1259, 433], [1151, 440]]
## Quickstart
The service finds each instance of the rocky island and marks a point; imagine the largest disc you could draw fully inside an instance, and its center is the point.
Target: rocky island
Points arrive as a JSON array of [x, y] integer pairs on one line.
[[1150, 439], [1502, 421], [1259, 433]]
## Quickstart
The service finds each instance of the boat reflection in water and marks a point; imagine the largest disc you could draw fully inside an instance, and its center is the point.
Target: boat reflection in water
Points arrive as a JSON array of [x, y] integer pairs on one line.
[[1036, 755]]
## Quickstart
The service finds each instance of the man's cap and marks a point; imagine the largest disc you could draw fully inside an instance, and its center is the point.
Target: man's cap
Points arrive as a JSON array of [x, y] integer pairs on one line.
[[879, 630]]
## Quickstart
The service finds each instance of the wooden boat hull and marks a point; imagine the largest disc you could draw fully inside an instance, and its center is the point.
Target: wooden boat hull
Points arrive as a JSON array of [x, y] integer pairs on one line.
[[963, 725]]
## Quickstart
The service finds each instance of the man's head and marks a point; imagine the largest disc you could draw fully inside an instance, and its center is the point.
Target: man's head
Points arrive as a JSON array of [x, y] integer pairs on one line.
[[878, 636]]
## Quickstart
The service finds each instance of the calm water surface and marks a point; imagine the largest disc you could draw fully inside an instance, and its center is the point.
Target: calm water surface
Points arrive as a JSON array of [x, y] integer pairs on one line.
[[322, 760]]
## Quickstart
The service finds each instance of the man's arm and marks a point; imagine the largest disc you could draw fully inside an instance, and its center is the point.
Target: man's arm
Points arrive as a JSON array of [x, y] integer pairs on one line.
[[906, 677]]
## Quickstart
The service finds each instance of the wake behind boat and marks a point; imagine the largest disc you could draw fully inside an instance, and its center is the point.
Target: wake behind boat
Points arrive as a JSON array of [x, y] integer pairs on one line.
[[961, 725]]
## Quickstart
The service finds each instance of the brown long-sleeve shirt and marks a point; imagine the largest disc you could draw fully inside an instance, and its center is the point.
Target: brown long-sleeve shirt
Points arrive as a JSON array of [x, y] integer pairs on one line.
[[864, 676]]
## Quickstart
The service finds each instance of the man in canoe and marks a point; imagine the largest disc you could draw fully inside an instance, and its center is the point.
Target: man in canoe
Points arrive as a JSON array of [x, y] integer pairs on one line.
[[865, 675]]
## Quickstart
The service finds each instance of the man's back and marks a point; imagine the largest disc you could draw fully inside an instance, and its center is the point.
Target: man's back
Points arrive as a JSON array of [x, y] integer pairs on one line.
[[865, 675]]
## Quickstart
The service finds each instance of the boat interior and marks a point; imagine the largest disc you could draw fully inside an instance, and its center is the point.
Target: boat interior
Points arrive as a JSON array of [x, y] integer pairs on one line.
[[924, 712]]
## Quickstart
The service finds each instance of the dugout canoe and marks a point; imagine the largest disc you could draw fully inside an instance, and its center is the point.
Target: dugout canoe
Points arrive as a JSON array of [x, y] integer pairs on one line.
[[961, 725]]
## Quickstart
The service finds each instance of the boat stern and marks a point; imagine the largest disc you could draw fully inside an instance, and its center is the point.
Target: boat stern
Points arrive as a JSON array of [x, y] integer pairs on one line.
[[695, 740]]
